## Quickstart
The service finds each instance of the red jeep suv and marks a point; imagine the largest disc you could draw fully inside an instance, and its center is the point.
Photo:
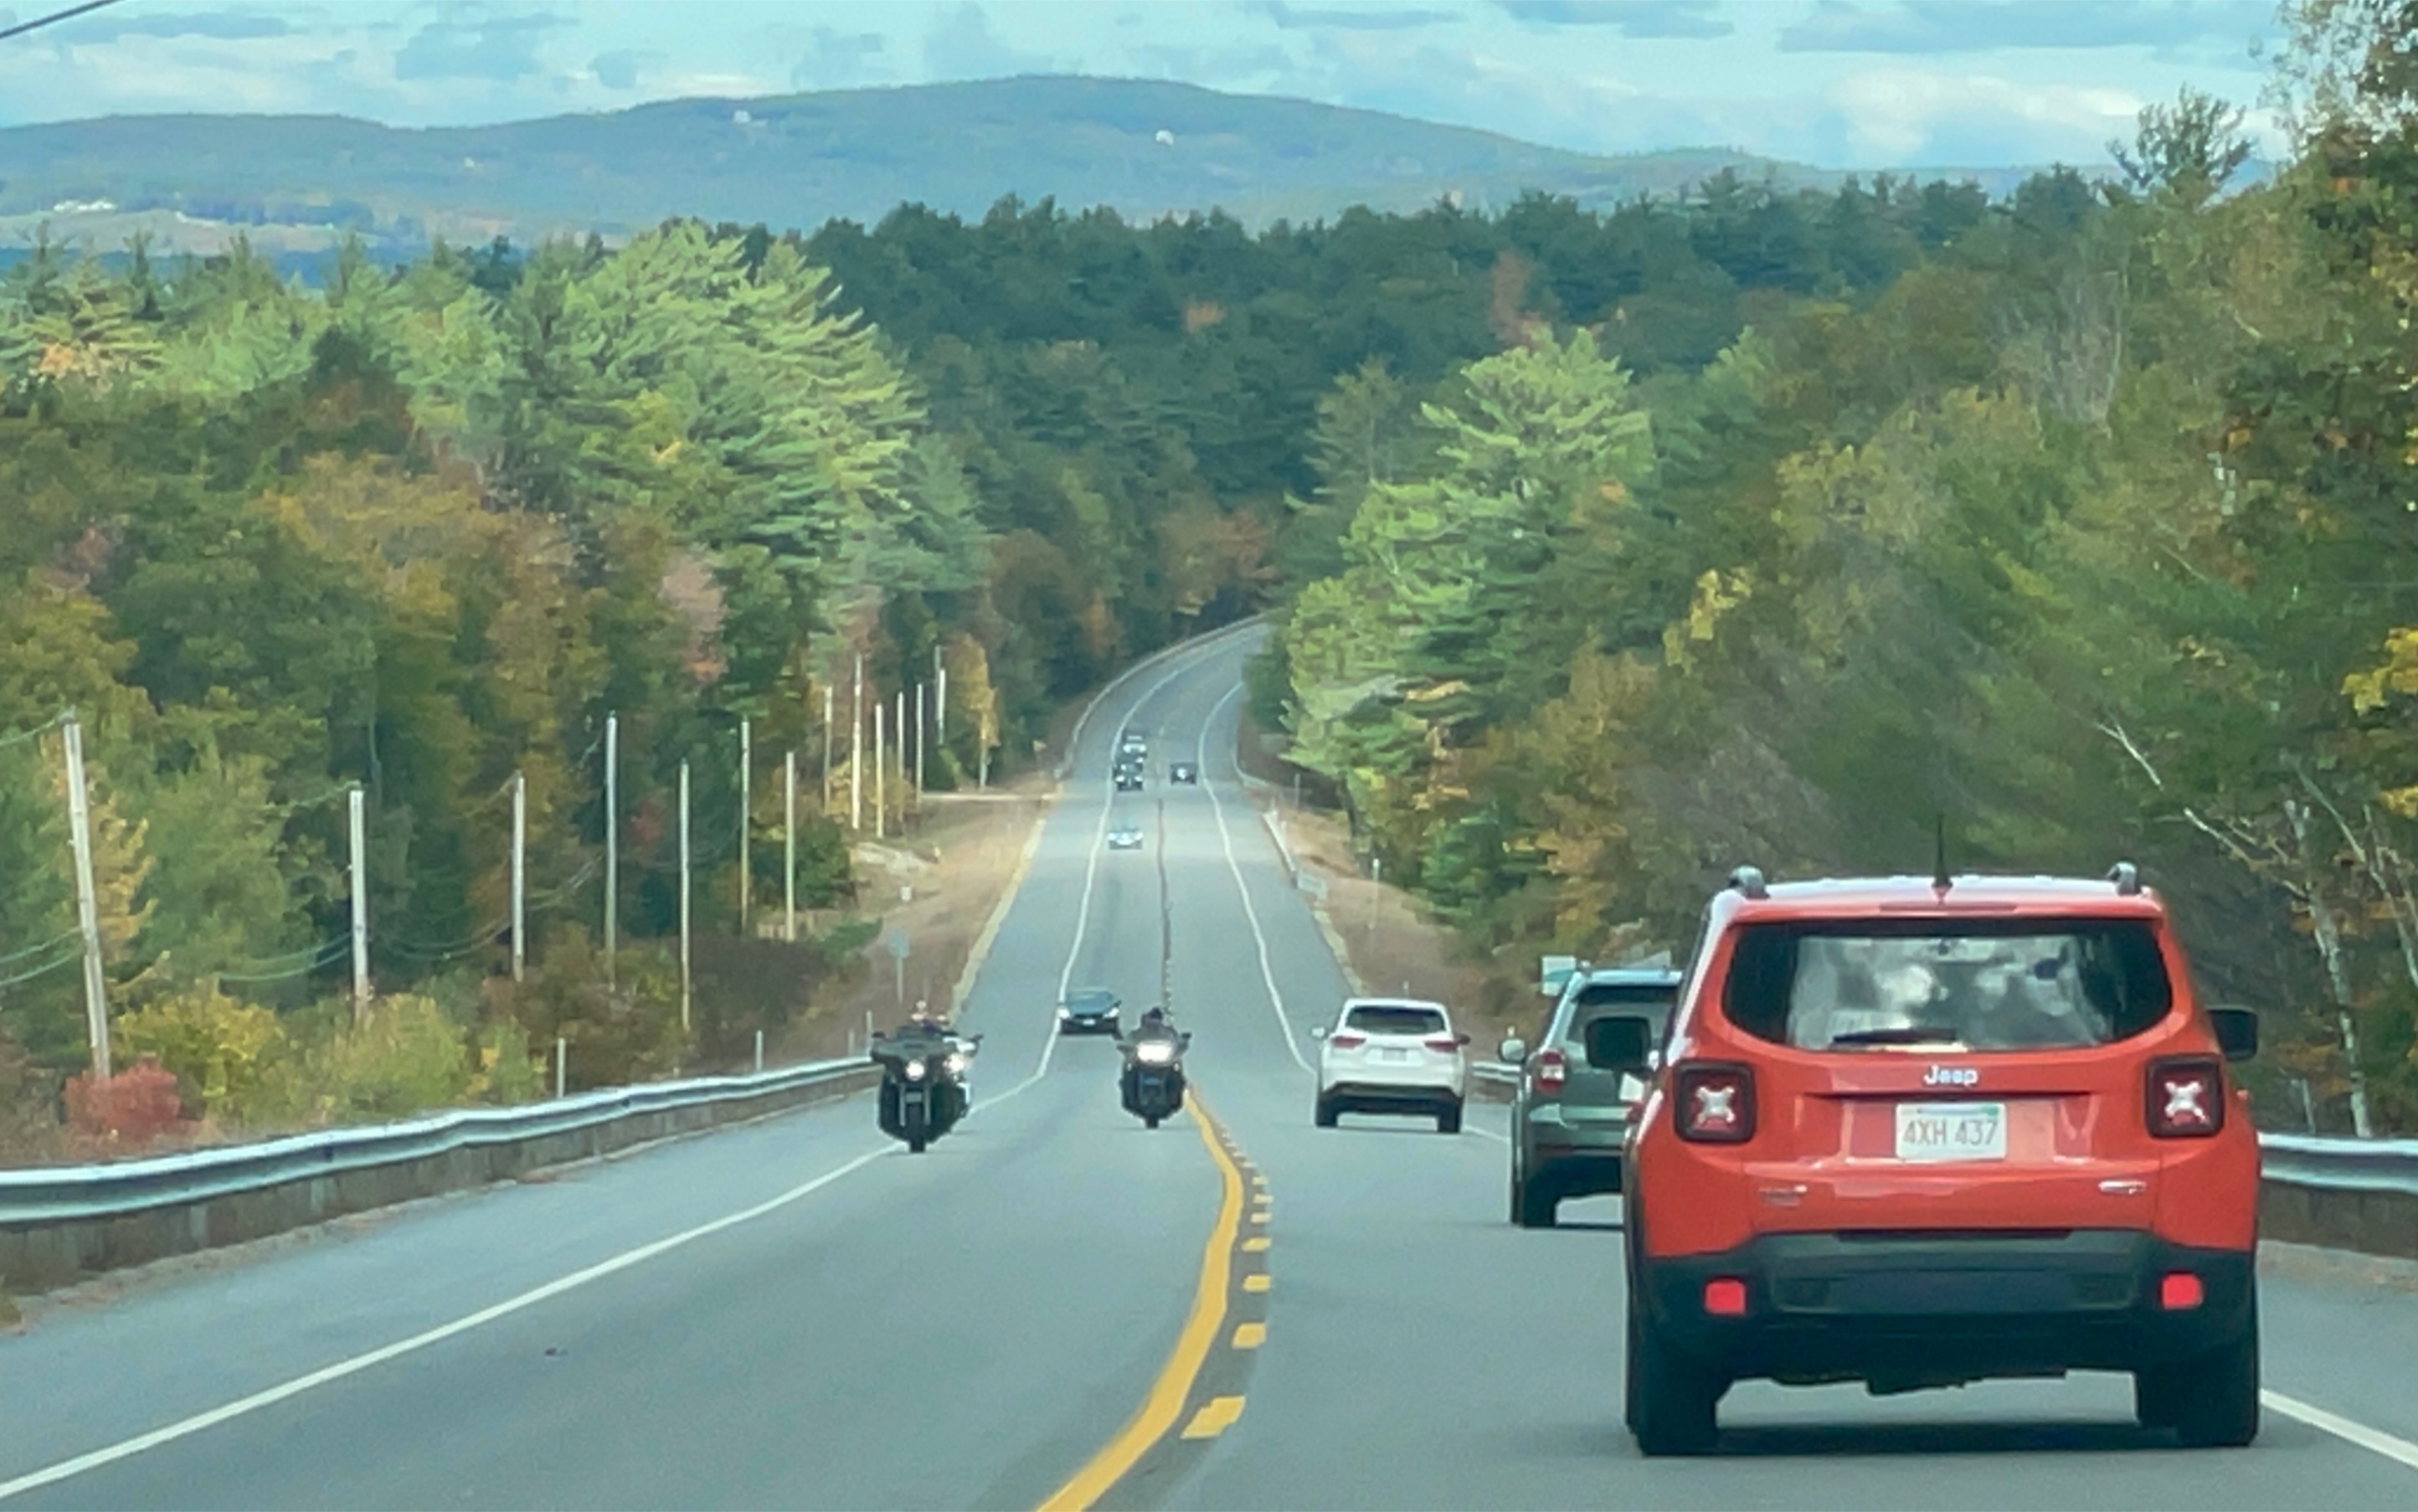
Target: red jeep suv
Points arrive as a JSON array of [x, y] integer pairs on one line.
[[1923, 1132]]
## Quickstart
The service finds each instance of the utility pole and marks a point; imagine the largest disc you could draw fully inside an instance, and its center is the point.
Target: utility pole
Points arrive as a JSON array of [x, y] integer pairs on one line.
[[520, 871], [747, 813], [856, 753], [940, 699], [880, 774], [683, 897], [789, 850], [612, 838], [359, 804], [898, 738], [825, 810], [919, 747], [96, 984]]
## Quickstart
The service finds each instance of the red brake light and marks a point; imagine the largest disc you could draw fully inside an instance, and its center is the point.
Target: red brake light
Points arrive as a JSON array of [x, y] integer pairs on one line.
[[1346, 1040], [2181, 1292], [1725, 1297], [2186, 1097], [1553, 1070], [1714, 1104], [1446, 1045]]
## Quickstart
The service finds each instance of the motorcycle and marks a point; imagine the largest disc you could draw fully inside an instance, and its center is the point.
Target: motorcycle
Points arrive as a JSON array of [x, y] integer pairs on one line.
[[1152, 1083], [924, 1086]]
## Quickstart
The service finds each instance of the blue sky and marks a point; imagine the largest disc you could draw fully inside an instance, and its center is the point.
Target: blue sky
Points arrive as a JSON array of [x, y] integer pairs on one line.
[[1837, 82]]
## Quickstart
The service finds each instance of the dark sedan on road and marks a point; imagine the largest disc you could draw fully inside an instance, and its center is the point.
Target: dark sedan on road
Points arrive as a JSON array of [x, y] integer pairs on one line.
[[1089, 1011]]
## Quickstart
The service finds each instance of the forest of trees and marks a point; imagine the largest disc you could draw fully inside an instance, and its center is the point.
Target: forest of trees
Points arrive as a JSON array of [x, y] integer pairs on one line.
[[2083, 531], [422, 528], [1605, 552]]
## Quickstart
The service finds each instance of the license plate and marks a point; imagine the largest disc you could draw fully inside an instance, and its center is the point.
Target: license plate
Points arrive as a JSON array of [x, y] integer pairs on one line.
[[1396, 1057], [1952, 1131]]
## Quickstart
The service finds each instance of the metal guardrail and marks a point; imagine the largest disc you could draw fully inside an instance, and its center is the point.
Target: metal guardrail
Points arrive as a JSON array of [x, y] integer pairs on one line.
[[63, 1194], [2341, 1164]]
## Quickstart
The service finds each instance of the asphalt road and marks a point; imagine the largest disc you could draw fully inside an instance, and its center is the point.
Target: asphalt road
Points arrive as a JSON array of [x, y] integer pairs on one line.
[[797, 1313]]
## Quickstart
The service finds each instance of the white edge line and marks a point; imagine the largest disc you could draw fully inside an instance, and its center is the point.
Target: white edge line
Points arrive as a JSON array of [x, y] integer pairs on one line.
[[2400, 1450], [1268, 973], [52, 1475]]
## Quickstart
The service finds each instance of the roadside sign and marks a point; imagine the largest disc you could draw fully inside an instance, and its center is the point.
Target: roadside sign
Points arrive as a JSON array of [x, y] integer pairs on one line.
[[1553, 972], [1313, 884], [898, 943]]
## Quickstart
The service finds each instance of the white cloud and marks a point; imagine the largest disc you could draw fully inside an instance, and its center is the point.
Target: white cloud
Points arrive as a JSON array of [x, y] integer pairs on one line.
[[1901, 114]]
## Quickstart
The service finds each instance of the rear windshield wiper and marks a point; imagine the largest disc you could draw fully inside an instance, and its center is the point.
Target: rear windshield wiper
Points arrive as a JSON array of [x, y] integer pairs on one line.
[[1907, 1034]]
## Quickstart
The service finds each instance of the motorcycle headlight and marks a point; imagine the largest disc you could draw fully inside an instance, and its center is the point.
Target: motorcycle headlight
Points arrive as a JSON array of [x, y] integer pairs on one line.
[[915, 1070], [957, 1065], [1157, 1053]]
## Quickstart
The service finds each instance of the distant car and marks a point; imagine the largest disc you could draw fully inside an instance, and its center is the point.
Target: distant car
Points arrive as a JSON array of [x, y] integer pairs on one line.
[[1089, 1011], [1130, 782], [1392, 1055], [1132, 744], [1569, 1119], [1124, 837], [1184, 771]]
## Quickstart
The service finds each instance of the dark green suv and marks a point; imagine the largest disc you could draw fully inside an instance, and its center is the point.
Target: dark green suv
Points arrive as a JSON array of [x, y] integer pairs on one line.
[[1568, 1117]]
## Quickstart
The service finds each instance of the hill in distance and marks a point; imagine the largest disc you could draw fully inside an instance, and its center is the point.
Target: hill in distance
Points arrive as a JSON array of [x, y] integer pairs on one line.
[[1144, 149]]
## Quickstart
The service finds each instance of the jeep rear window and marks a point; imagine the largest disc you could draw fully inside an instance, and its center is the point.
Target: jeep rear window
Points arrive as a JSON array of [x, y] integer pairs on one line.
[[1979, 984], [1395, 1020]]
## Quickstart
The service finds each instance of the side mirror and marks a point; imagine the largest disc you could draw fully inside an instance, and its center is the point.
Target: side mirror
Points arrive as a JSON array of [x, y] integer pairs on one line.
[[1512, 1052], [2237, 1031], [1620, 1041], [1184, 1041]]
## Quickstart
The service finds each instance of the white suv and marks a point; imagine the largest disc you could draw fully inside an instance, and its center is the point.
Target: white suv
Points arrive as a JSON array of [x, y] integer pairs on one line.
[[1392, 1055]]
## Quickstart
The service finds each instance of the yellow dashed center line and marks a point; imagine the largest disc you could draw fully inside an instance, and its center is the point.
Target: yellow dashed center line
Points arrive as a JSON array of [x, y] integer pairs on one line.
[[1258, 1283], [1255, 1244], [1250, 1336], [1161, 1409], [1216, 1416]]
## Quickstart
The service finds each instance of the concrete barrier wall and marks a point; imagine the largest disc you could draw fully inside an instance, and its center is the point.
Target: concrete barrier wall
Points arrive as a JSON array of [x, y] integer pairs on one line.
[[2367, 1222], [41, 1256]]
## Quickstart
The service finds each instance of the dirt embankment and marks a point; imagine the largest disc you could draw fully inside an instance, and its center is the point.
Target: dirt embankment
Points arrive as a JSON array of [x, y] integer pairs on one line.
[[935, 889], [1388, 940]]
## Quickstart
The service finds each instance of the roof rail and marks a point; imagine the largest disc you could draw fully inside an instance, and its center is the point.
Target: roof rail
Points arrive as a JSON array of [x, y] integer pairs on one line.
[[2127, 879], [1749, 880]]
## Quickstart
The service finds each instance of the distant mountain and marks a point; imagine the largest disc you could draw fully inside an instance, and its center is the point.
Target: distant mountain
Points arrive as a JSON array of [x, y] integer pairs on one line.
[[1143, 148]]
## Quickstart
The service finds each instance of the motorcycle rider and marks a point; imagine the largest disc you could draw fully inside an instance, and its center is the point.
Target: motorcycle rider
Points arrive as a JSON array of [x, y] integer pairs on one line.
[[1154, 1025], [925, 1036]]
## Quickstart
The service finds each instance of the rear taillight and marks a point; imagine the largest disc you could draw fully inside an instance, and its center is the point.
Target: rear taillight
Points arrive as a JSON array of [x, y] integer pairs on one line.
[[1714, 1104], [2181, 1292], [1725, 1297], [1446, 1046], [2185, 1097], [1347, 1040], [1553, 1070]]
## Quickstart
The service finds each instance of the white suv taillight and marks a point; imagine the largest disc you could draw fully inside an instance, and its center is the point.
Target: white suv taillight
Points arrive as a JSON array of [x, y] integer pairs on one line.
[[1553, 1070], [1444, 1045], [2186, 1097], [1714, 1104]]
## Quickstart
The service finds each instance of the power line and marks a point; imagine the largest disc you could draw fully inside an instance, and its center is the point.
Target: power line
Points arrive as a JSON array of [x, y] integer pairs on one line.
[[38, 21]]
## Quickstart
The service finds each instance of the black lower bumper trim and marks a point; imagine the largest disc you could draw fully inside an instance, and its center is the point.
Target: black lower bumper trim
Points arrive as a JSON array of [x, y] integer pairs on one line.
[[1912, 1309]]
